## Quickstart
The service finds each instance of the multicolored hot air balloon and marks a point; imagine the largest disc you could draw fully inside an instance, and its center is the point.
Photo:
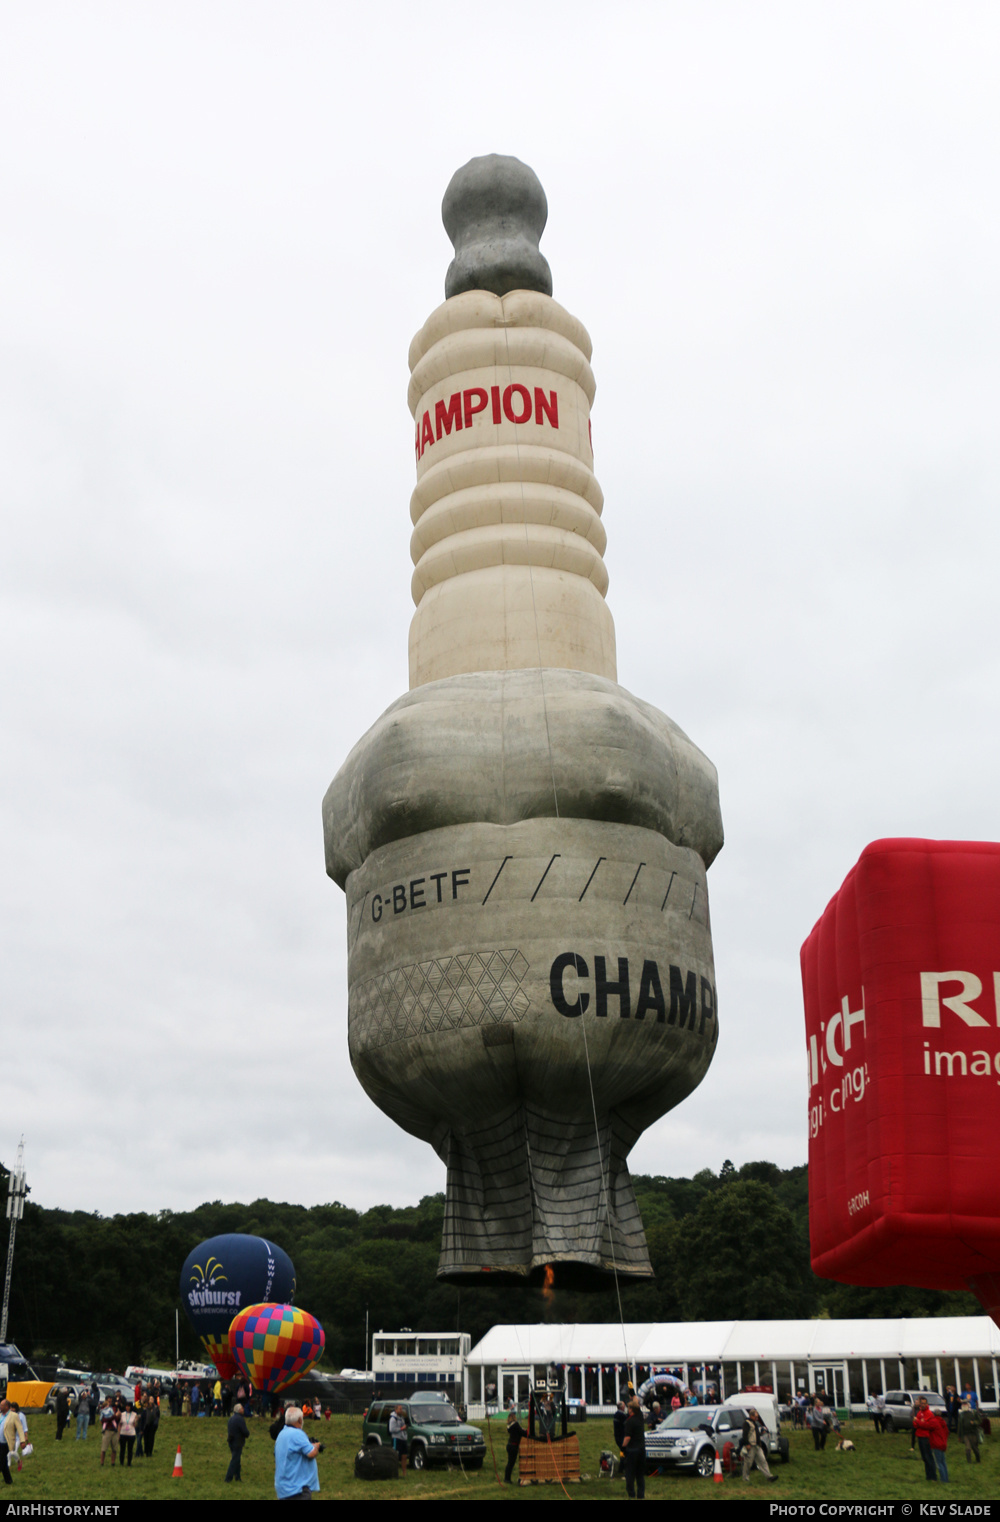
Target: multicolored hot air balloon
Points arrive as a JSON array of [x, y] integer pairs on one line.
[[273, 1345], [901, 978], [222, 1276]]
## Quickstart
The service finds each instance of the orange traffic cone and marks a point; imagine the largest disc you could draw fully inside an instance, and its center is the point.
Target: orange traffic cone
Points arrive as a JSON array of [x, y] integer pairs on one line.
[[178, 1473], [717, 1472]]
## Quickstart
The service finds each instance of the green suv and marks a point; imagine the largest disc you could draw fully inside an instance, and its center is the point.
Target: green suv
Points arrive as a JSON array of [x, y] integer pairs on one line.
[[434, 1430]]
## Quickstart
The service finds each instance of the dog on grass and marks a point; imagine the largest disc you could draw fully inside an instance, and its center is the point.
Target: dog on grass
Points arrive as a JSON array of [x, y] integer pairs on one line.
[[845, 1446]]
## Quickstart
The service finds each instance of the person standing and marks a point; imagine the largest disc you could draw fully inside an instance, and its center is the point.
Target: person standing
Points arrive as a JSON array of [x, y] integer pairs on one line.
[[515, 1432], [126, 1434], [4, 1466], [817, 1423], [397, 1435], [12, 1434], [82, 1414], [150, 1424], [970, 1425], [62, 1411], [634, 1448], [237, 1433], [109, 1432], [951, 1405], [754, 1445], [939, 1445], [141, 1416], [296, 1475], [924, 1422]]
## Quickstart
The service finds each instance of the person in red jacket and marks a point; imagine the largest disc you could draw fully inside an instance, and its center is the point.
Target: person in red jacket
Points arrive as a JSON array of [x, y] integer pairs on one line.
[[932, 1435], [939, 1445]]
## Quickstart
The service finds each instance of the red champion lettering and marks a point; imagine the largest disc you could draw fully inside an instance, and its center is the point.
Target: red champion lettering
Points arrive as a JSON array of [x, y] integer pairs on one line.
[[457, 412], [508, 403], [469, 411], [550, 408], [445, 417]]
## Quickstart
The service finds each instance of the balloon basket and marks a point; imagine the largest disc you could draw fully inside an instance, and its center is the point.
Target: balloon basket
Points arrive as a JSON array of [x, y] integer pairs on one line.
[[543, 1463]]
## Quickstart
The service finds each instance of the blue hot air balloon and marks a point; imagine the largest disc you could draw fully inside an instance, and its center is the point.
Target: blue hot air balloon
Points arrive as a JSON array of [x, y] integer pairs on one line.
[[223, 1276]]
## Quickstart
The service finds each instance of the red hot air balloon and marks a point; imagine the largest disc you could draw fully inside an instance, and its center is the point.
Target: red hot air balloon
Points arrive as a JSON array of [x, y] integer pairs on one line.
[[273, 1345], [901, 979]]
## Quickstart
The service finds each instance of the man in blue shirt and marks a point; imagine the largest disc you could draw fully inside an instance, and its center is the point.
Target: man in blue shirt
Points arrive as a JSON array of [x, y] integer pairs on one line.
[[295, 1473]]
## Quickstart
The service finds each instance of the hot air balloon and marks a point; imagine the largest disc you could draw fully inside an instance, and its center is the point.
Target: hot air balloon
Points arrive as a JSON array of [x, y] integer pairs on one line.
[[522, 842], [901, 979], [223, 1275], [273, 1345]]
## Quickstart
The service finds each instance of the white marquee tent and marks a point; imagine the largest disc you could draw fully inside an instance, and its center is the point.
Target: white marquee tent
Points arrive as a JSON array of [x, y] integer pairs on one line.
[[847, 1360]]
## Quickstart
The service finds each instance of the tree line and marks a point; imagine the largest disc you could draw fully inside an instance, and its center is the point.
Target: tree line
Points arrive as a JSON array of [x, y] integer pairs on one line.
[[101, 1291]]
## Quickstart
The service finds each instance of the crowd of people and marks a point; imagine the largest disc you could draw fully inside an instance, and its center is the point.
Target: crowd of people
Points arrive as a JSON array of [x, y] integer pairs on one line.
[[205, 1398], [128, 1428]]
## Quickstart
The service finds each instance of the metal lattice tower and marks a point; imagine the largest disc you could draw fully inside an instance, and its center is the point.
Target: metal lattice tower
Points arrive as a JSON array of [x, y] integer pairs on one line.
[[17, 1189]]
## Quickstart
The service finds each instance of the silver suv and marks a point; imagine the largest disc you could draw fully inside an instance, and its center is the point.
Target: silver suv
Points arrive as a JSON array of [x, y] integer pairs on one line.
[[691, 1437], [900, 1405]]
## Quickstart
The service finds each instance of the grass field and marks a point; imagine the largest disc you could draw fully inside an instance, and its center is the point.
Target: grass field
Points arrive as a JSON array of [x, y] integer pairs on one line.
[[881, 1469]]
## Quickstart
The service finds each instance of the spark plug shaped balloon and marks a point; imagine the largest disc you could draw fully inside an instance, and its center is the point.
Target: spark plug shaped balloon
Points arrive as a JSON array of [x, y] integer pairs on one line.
[[523, 843]]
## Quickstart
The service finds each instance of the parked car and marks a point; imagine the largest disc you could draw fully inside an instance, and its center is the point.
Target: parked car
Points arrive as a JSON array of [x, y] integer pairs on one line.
[[72, 1385], [900, 1404], [108, 1388], [691, 1437], [435, 1431]]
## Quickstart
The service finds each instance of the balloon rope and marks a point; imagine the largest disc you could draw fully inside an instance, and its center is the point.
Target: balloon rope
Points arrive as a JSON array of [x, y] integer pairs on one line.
[[548, 1439], [496, 1466], [605, 1190]]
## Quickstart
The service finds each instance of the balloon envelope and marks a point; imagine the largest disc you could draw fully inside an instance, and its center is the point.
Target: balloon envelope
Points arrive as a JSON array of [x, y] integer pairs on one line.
[[274, 1344], [901, 980], [223, 1275]]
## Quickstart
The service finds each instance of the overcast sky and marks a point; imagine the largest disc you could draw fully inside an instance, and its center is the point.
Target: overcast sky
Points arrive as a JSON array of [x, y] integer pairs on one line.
[[222, 227]]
